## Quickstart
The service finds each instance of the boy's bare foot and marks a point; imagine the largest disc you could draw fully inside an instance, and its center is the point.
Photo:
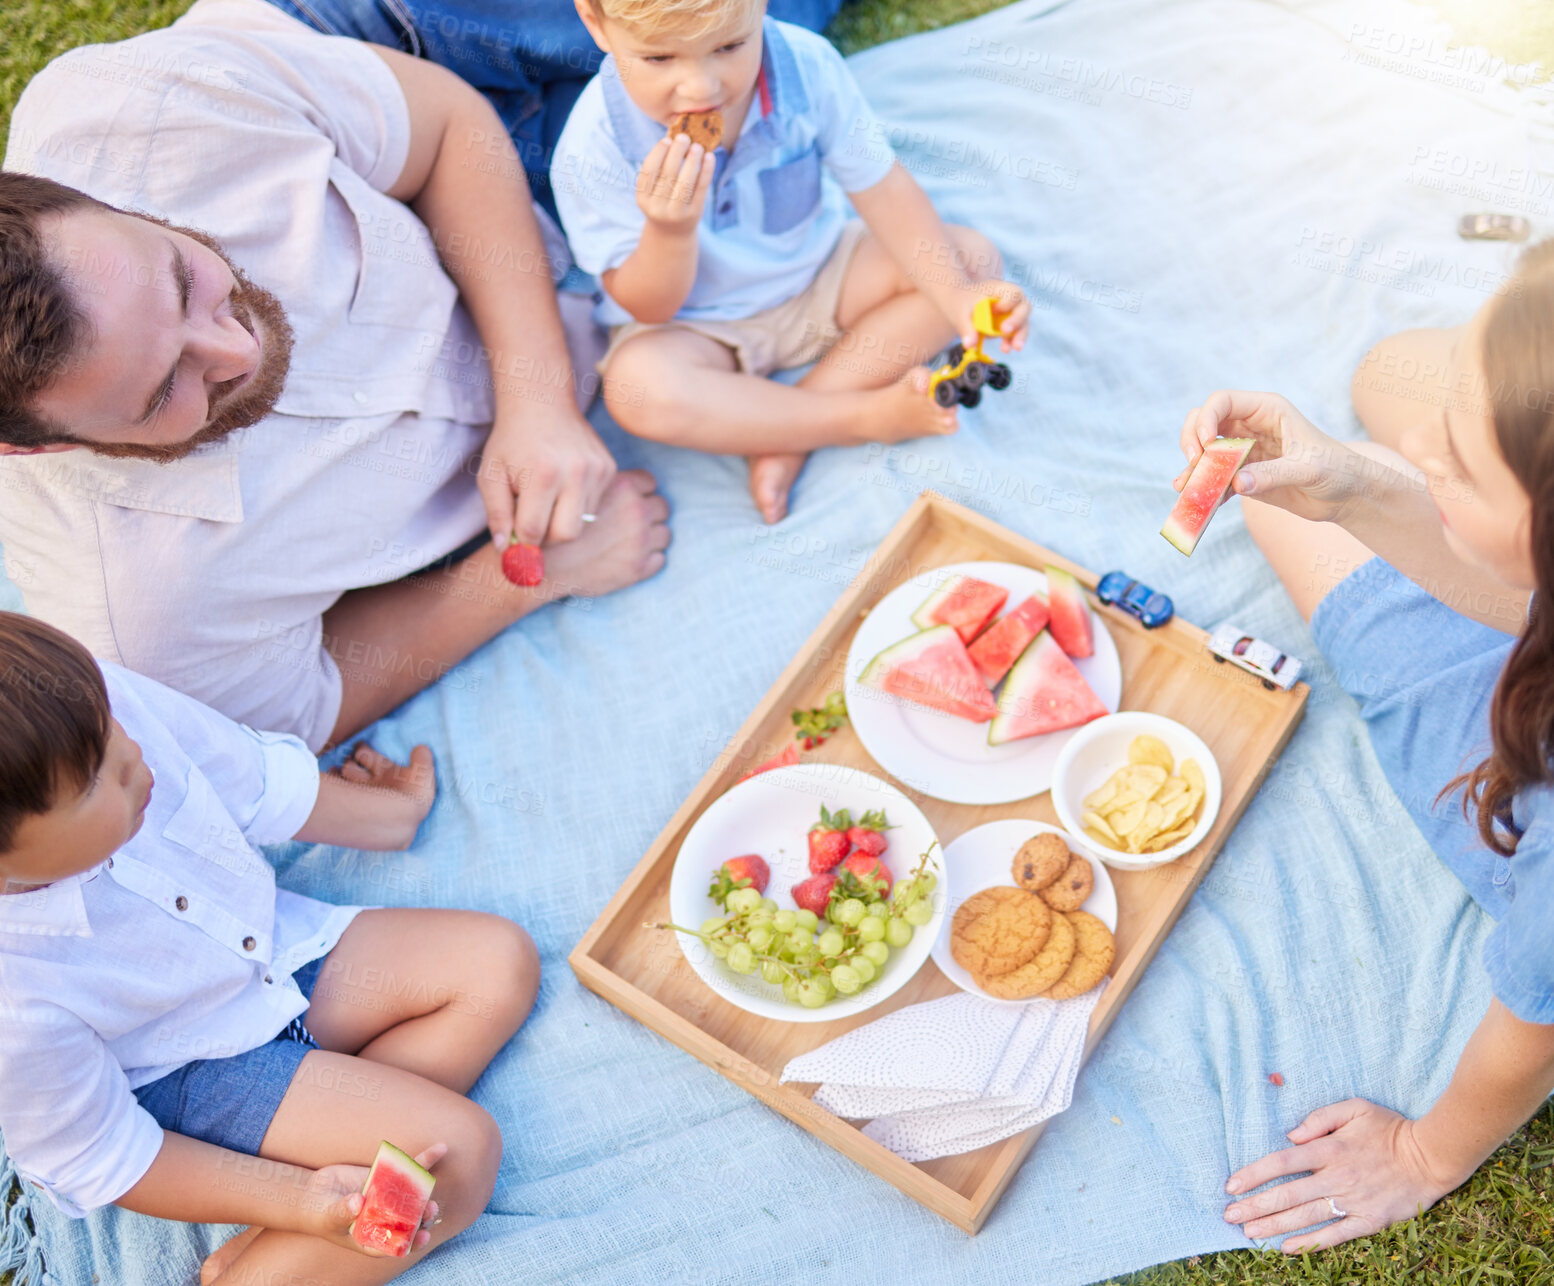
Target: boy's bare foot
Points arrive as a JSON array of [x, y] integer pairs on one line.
[[904, 410], [771, 478], [222, 1258], [623, 546]]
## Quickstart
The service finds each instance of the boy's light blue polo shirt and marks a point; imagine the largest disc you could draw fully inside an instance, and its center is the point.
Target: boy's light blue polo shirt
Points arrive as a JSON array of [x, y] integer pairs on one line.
[[776, 207]]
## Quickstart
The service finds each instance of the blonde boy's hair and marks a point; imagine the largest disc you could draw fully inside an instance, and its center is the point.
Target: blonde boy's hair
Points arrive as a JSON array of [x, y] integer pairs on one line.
[[652, 17]]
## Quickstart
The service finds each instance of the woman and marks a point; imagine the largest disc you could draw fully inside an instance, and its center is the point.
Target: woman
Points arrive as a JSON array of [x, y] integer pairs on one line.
[[1417, 572]]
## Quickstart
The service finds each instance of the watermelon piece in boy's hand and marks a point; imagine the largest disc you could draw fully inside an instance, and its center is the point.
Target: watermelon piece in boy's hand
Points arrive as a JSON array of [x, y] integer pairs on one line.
[[1206, 486], [393, 1203]]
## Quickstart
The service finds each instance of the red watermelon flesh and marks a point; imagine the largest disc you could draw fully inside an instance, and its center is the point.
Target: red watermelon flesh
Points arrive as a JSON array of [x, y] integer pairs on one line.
[[931, 668], [999, 646], [392, 1203], [964, 602], [1206, 486], [1070, 625], [1044, 693]]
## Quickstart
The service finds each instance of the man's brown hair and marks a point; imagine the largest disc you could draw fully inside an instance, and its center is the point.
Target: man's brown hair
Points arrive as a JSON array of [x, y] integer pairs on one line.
[[41, 325], [54, 719]]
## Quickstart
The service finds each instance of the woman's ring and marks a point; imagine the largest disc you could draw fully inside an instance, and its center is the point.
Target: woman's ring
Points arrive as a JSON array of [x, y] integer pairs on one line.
[[1337, 1213], [589, 517]]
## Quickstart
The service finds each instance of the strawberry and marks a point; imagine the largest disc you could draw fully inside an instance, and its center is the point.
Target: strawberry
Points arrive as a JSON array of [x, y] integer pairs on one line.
[[750, 871], [814, 893], [828, 843], [867, 866], [868, 835], [523, 564]]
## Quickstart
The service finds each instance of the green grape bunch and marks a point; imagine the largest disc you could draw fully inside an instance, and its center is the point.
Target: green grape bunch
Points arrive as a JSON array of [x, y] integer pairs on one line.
[[813, 959]]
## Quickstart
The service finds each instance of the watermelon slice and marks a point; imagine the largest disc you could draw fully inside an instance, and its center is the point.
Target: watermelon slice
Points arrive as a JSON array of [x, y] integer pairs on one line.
[[1044, 693], [1070, 625], [1206, 487], [392, 1203], [788, 757], [932, 669], [964, 602], [999, 646]]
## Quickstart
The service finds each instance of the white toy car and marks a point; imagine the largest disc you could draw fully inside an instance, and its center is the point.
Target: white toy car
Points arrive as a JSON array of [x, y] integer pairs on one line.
[[1275, 668]]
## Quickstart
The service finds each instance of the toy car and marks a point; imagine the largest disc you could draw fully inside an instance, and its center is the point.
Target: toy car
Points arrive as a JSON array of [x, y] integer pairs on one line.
[[964, 373], [1276, 669], [1152, 608]]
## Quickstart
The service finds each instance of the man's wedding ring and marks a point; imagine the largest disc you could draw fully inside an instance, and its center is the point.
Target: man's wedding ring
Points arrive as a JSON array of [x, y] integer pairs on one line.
[[589, 517]]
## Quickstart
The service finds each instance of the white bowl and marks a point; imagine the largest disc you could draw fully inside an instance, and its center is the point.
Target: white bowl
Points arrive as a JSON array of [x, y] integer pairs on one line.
[[771, 814], [1099, 749]]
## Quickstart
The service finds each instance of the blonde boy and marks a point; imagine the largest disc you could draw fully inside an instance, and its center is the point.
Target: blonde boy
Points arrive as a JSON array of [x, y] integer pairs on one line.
[[721, 266]]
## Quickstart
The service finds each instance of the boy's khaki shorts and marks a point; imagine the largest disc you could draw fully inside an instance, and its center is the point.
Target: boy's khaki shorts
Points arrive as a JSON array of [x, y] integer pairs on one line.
[[792, 333]]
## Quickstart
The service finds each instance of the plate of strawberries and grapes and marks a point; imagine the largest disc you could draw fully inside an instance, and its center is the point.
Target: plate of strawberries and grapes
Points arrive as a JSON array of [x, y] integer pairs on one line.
[[808, 893]]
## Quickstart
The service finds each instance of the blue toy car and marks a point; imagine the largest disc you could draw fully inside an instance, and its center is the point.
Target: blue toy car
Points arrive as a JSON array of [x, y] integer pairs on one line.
[[1152, 608]]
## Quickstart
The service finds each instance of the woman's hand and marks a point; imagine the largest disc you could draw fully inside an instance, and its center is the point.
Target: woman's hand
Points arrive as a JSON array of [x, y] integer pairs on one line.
[[334, 1199], [1365, 1158], [1293, 464]]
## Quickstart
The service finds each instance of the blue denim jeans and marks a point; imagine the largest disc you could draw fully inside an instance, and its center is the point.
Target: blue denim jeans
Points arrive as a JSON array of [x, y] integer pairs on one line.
[[531, 58]]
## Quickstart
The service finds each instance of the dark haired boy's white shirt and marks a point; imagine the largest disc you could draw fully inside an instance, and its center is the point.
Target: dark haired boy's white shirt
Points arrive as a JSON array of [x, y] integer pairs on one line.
[[178, 947], [212, 573]]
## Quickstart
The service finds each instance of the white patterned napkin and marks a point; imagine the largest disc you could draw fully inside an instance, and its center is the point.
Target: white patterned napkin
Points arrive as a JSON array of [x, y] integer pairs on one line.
[[954, 1074]]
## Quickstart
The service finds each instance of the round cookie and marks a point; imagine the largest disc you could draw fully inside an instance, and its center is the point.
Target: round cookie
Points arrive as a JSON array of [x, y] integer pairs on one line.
[[705, 128], [1041, 859], [1069, 891], [1093, 956], [1041, 970], [999, 929]]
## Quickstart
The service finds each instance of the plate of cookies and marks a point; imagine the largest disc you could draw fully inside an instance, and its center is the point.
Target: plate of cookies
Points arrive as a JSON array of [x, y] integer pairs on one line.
[[1032, 918]]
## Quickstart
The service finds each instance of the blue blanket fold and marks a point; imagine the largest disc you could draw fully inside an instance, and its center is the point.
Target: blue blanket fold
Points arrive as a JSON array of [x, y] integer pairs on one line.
[[1203, 194]]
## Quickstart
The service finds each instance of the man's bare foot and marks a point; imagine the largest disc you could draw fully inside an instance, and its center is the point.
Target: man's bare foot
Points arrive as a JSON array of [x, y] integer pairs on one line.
[[625, 545], [771, 478], [904, 410], [220, 1259]]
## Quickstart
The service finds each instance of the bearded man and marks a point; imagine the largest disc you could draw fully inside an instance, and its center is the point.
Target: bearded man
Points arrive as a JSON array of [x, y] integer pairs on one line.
[[282, 369]]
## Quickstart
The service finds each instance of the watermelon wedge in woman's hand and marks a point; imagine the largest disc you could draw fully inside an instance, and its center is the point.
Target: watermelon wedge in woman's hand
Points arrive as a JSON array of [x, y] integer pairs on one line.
[[1211, 478]]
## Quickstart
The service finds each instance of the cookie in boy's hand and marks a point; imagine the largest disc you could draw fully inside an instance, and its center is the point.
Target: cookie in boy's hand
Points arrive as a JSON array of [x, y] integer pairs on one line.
[[705, 128]]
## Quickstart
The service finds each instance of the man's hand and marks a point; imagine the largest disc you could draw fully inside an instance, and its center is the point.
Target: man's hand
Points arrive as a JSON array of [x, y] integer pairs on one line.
[[540, 473], [673, 183], [1365, 1159], [334, 1199]]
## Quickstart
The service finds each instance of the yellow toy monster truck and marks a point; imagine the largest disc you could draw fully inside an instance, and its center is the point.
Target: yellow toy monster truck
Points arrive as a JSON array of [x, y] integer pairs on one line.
[[962, 377]]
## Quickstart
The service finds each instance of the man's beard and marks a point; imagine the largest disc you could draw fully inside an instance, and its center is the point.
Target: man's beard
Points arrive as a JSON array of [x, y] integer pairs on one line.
[[261, 314]]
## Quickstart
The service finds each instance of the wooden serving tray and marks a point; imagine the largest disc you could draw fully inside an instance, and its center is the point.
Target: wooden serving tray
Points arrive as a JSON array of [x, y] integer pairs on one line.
[[1168, 671]]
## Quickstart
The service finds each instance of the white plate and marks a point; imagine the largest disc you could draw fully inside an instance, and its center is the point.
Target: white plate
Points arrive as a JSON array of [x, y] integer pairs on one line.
[[983, 857], [938, 754], [771, 815]]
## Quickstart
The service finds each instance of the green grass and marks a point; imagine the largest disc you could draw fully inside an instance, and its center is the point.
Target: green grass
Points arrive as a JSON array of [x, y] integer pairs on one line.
[[1497, 1229]]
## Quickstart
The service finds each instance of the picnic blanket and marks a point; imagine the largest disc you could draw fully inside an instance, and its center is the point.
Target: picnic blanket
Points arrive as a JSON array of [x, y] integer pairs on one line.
[[1200, 194]]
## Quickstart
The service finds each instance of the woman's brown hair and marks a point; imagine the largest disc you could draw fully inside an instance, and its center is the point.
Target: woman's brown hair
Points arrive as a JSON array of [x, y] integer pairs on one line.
[[1518, 362]]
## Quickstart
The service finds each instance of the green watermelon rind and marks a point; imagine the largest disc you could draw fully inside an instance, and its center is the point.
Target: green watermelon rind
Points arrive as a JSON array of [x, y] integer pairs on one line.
[[914, 644], [1178, 529], [1031, 660], [923, 617], [404, 1166]]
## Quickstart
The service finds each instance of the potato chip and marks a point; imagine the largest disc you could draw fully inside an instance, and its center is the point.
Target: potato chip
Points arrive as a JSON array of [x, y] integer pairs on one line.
[[1165, 839], [1124, 820], [1101, 839], [1095, 822], [1193, 775], [1103, 794], [1151, 750], [1147, 829]]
